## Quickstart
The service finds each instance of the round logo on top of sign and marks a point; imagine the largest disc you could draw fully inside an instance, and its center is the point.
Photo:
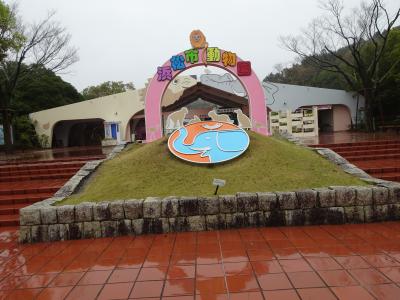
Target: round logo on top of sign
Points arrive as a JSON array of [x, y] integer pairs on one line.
[[208, 142]]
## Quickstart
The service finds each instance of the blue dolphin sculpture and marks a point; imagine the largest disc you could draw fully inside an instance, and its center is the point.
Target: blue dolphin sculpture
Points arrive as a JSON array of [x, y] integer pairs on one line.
[[217, 145]]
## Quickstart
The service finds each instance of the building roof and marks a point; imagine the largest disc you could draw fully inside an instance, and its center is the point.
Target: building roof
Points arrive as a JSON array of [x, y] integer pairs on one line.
[[209, 94]]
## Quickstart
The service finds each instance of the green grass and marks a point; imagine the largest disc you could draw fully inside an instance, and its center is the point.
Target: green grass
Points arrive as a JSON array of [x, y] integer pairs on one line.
[[269, 164]]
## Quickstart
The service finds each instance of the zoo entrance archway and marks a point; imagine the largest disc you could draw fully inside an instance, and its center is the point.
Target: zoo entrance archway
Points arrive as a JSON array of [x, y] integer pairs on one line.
[[208, 56]]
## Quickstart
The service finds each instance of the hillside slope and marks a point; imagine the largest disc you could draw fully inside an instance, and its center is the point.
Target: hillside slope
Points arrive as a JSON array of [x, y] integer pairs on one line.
[[269, 164]]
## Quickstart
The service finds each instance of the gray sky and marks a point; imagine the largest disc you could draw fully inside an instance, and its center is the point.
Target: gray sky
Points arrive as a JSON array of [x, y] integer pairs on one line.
[[127, 39]]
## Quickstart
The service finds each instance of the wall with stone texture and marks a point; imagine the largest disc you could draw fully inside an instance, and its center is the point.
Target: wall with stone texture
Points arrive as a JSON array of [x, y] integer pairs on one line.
[[333, 205]]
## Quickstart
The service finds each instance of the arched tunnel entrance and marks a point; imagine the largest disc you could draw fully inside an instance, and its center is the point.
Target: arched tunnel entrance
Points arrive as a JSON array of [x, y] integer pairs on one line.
[[73, 133]]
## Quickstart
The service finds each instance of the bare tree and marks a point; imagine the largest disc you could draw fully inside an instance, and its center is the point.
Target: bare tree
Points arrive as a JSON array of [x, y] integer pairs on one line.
[[351, 45], [44, 44]]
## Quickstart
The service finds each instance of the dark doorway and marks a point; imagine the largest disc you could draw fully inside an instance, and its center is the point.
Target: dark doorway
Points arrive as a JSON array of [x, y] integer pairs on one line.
[[73, 133], [138, 128], [325, 120]]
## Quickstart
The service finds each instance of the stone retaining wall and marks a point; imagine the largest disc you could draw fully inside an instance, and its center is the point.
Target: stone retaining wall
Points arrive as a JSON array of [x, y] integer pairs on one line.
[[42, 221], [333, 205]]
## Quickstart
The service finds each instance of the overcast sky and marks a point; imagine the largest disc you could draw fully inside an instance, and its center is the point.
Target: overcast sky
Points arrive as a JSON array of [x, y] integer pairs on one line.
[[127, 39]]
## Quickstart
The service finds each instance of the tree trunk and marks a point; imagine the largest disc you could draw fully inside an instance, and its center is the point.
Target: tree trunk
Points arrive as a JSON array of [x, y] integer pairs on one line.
[[7, 130], [381, 112], [368, 116]]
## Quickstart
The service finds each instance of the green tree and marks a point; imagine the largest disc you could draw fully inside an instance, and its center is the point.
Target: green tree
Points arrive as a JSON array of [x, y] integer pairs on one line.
[[352, 46], [106, 88], [388, 100], [37, 45], [10, 36], [24, 133], [43, 89]]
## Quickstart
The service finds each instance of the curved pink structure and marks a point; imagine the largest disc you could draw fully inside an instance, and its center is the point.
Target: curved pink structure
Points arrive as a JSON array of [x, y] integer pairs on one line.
[[251, 83]]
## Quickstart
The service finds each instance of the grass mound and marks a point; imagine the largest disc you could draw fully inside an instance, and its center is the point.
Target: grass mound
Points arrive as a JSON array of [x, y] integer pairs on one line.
[[269, 164]]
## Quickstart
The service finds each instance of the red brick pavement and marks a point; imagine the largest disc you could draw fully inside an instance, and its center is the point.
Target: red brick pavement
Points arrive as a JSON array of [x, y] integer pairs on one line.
[[312, 262]]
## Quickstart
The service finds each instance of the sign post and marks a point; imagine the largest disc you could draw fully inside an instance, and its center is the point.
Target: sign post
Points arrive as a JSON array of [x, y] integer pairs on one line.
[[218, 183]]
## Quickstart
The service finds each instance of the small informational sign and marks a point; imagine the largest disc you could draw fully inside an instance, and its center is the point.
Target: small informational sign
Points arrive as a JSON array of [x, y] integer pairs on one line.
[[219, 182]]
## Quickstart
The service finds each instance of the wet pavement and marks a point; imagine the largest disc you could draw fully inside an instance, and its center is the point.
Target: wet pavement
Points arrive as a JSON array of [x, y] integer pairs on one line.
[[313, 262]]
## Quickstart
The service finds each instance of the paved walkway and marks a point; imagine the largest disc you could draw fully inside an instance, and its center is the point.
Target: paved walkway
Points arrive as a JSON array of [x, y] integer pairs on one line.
[[316, 262]]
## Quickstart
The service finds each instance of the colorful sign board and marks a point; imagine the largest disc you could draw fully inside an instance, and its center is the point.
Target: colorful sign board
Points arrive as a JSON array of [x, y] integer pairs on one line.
[[210, 55], [202, 55], [208, 142]]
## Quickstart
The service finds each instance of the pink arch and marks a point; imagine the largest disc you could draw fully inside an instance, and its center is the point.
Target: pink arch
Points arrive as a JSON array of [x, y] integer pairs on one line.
[[156, 89]]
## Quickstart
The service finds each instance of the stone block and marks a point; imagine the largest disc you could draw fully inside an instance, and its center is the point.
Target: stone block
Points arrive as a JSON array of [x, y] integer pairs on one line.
[[91, 230], [267, 201], [25, 234], [394, 194], [165, 225], [188, 206], [197, 223], [170, 207], [39, 233], [117, 210], [354, 214], [208, 205], [325, 197], [247, 202], [29, 216], [275, 217], [381, 212], [178, 224], [287, 200], [137, 226], [380, 195], [65, 190], [335, 215], [48, 215], [84, 212], [54, 232], [124, 227], [376, 213], [369, 215], [294, 217], [152, 208], [215, 222], [227, 204], [152, 226], [256, 218], [64, 232], [75, 231], [133, 209], [109, 228], [315, 216], [332, 156], [236, 220], [101, 211], [394, 212], [306, 198], [65, 214], [363, 195], [345, 196]]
